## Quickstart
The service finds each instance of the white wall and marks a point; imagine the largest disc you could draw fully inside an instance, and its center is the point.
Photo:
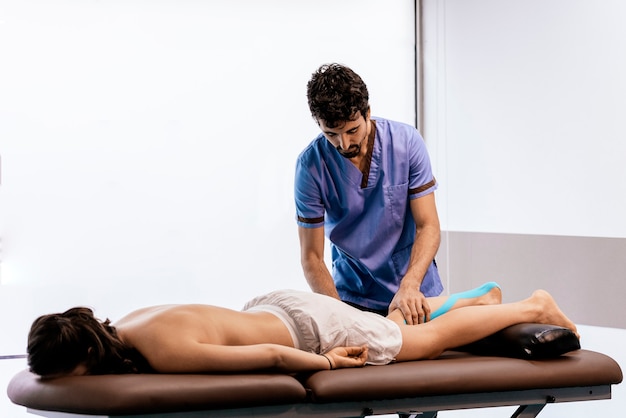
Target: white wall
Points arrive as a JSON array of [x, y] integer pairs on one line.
[[524, 114], [148, 147]]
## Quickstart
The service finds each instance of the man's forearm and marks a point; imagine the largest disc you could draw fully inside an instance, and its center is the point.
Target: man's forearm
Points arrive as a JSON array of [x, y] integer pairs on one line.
[[319, 278], [424, 249]]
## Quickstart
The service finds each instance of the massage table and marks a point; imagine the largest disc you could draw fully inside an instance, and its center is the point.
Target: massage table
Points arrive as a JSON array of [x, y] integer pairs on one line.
[[537, 369]]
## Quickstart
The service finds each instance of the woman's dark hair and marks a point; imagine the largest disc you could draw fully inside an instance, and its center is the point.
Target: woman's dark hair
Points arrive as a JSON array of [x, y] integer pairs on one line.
[[58, 343], [335, 94]]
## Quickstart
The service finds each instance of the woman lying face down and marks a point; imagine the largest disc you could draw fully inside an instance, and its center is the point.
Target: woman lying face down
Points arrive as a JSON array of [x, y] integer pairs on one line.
[[283, 331]]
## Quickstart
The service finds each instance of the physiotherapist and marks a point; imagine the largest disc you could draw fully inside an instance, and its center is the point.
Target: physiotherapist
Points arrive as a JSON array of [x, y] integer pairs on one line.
[[366, 183]]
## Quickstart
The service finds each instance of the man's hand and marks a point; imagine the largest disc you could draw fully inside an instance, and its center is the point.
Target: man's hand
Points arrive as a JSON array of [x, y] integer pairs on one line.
[[413, 305], [341, 357]]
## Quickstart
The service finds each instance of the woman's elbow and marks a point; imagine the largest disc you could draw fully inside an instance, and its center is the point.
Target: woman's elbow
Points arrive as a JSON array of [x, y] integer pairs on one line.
[[276, 358]]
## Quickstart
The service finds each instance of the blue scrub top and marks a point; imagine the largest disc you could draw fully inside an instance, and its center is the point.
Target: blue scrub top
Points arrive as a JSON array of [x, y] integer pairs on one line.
[[371, 229]]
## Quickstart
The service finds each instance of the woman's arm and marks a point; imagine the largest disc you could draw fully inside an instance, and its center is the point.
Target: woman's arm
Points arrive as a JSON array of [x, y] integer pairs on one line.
[[194, 357]]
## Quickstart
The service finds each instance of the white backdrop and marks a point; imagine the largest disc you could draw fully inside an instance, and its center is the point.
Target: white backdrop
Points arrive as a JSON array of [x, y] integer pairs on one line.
[[524, 115], [148, 147]]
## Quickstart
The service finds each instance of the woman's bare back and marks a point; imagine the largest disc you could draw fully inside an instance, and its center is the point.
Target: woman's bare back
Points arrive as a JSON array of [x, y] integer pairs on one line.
[[202, 323]]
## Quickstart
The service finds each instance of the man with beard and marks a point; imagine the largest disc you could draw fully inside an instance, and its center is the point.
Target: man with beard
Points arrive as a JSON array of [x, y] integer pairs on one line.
[[366, 183]]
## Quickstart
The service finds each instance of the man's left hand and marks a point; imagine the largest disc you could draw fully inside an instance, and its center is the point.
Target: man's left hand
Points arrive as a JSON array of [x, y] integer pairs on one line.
[[413, 305]]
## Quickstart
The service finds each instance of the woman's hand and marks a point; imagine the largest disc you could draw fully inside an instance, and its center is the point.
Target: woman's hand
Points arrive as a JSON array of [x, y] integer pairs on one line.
[[341, 357]]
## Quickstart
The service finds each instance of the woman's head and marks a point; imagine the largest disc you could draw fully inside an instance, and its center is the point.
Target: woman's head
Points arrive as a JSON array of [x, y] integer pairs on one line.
[[60, 344]]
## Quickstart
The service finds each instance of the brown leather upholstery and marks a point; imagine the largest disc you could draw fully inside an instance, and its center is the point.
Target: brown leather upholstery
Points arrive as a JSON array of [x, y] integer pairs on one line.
[[453, 373], [456, 373], [149, 393]]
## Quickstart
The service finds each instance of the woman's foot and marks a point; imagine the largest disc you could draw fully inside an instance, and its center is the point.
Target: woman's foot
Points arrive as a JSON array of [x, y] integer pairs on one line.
[[549, 311]]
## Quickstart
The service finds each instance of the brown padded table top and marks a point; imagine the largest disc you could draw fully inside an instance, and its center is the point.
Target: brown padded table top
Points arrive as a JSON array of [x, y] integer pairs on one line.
[[452, 373], [150, 393], [458, 373]]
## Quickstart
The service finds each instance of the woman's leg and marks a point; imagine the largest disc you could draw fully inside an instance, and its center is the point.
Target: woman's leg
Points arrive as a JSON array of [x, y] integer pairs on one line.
[[486, 294], [471, 323]]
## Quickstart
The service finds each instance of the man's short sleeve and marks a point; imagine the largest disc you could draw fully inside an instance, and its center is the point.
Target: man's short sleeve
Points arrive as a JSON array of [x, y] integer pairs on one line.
[[421, 178], [307, 193]]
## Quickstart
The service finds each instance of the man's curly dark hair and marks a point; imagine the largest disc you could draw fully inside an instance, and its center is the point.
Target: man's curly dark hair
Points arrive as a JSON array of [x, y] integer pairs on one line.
[[58, 343], [335, 94]]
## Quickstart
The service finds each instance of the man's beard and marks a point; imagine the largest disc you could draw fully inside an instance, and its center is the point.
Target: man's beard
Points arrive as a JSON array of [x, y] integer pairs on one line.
[[351, 152]]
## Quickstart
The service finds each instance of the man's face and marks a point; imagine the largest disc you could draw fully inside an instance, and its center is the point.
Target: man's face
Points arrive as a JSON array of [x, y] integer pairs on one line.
[[349, 136]]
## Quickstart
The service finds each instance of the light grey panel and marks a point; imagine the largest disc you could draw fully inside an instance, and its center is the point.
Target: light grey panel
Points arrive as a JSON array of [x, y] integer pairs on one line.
[[587, 276]]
